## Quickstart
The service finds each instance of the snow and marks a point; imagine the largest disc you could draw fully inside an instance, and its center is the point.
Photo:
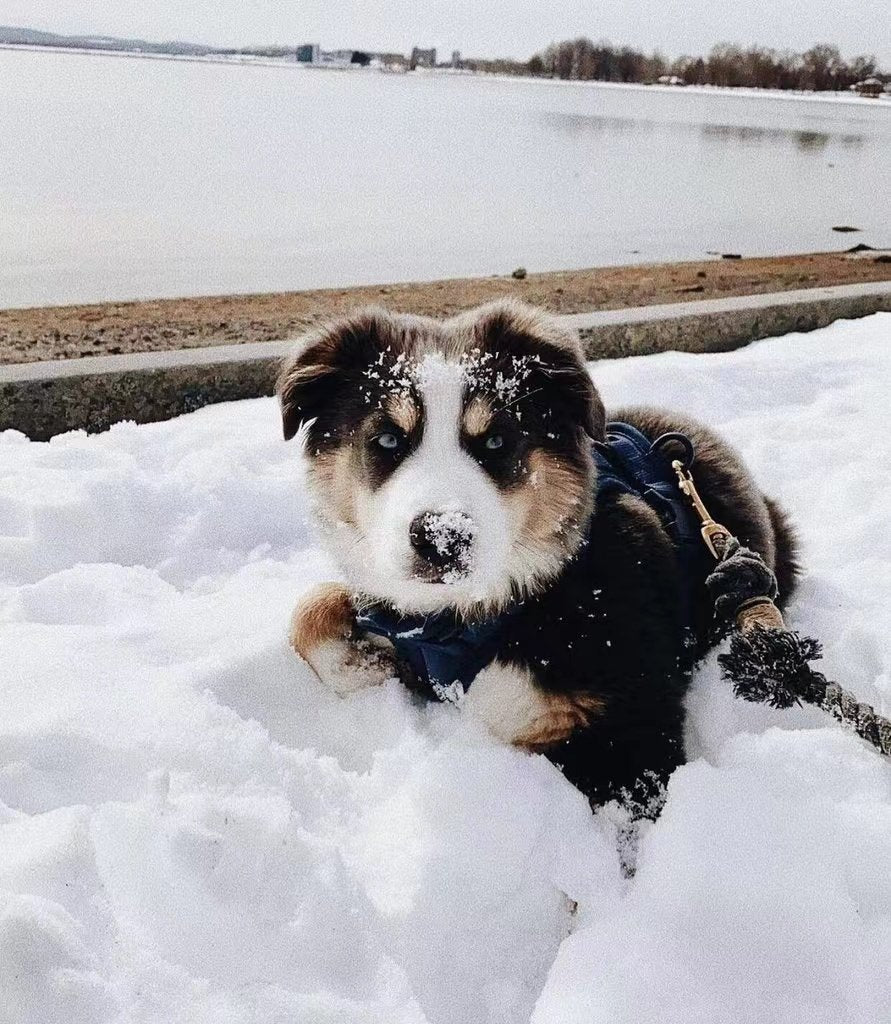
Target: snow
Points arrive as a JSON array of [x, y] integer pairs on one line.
[[192, 829]]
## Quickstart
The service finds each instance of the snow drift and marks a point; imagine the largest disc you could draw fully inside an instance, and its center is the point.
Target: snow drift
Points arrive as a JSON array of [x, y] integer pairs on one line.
[[192, 829]]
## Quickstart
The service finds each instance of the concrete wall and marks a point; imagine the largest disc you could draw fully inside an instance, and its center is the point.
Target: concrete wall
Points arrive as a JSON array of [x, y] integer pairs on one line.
[[721, 325], [44, 399]]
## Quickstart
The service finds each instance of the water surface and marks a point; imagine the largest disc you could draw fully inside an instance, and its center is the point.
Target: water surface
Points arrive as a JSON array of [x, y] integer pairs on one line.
[[122, 178]]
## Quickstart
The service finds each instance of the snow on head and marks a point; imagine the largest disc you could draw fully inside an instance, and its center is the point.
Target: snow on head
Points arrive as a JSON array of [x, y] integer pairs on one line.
[[193, 829], [438, 497]]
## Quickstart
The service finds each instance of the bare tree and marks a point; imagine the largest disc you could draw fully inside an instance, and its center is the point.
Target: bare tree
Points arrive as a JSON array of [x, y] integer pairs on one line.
[[821, 67]]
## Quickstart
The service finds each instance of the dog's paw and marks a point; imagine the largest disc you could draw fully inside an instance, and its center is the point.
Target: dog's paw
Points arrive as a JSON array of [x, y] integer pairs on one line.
[[347, 666], [515, 710], [323, 633]]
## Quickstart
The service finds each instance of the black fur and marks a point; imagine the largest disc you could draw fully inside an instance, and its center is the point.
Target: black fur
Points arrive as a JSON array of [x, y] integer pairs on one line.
[[610, 625], [330, 384]]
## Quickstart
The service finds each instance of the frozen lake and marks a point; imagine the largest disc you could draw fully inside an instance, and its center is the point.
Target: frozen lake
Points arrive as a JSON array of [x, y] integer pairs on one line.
[[122, 178]]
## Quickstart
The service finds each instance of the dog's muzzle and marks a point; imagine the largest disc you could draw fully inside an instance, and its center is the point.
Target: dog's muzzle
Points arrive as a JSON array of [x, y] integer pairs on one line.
[[443, 544]]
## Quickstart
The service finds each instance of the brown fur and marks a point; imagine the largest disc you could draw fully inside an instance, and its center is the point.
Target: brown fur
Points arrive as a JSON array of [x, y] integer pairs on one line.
[[642, 525], [786, 550], [478, 416], [556, 497], [403, 411], [566, 713], [334, 480], [325, 613], [478, 328]]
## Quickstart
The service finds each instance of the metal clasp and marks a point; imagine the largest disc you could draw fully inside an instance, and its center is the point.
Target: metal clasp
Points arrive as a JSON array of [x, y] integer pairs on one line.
[[714, 534]]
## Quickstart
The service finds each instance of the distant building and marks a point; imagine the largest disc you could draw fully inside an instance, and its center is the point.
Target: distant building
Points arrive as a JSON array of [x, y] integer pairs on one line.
[[392, 60], [422, 58], [869, 87], [456, 58], [309, 53], [670, 80]]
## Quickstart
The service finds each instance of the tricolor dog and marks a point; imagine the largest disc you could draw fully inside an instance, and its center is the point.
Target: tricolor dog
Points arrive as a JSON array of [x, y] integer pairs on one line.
[[504, 542]]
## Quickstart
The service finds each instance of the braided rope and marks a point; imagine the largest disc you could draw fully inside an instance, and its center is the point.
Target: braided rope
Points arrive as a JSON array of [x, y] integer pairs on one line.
[[857, 715], [770, 665]]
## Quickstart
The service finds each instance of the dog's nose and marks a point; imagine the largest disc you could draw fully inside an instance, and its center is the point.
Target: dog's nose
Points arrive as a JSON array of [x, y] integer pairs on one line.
[[442, 539]]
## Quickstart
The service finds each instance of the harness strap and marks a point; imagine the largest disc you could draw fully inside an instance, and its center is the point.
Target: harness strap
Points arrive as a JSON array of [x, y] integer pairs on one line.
[[628, 463], [441, 649]]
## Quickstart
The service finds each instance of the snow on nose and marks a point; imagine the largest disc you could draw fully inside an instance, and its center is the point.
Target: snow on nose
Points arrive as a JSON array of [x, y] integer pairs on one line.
[[443, 540]]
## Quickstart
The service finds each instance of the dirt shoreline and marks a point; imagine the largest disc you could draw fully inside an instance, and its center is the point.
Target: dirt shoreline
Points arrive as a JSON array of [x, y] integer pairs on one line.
[[68, 332]]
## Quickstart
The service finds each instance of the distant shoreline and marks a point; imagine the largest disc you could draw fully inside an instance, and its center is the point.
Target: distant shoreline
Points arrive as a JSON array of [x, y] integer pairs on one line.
[[249, 60], [65, 332], [245, 59]]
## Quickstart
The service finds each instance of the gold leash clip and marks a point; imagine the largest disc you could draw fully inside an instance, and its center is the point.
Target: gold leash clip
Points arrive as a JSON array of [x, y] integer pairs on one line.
[[714, 534]]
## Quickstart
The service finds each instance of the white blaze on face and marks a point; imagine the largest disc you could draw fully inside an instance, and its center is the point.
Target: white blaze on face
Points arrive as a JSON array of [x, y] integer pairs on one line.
[[439, 477]]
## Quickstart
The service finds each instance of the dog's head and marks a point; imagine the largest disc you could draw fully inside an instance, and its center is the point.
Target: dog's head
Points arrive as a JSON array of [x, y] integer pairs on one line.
[[450, 461]]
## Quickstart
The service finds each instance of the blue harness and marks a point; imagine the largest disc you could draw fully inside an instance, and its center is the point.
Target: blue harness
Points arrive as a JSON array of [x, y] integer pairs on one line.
[[446, 652]]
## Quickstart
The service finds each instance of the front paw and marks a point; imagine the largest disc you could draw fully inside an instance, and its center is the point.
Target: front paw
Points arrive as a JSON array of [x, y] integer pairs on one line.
[[323, 633], [347, 666], [515, 709]]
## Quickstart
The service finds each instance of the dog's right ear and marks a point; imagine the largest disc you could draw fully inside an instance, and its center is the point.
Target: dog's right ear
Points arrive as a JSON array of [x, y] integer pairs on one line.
[[312, 379]]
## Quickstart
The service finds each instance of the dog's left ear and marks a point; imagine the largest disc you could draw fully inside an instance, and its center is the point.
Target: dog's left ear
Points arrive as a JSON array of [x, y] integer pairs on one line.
[[514, 325], [313, 377]]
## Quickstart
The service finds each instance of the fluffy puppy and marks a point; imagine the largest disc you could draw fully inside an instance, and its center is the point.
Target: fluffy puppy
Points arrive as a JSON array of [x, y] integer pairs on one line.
[[452, 470]]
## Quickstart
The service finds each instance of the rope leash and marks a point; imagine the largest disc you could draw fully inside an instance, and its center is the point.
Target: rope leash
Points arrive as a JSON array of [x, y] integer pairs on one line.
[[766, 661]]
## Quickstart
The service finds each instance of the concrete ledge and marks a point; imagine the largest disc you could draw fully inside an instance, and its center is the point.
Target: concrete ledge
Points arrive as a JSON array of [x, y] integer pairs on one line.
[[44, 399], [721, 325]]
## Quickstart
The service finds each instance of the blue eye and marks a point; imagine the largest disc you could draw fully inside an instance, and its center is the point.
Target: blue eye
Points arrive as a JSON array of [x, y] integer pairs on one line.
[[494, 442], [388, 441]]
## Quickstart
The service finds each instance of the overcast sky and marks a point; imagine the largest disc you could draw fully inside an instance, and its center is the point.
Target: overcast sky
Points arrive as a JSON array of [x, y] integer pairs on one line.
[[476, 27]]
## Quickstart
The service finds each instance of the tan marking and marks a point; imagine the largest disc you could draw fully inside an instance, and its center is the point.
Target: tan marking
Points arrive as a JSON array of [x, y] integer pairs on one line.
[[477, 416], [403, 411], [565, 713], [334, 481], [324, 614], [554, 501], [515, 709]]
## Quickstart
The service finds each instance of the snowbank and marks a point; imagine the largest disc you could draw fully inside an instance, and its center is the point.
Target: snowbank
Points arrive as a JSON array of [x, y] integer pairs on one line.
[[192, 829]]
